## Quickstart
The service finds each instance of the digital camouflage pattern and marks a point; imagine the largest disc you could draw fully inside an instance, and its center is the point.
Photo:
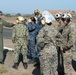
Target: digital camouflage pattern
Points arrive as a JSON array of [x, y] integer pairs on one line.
[[59, 51], [74, 53], [6, 24], [69, 41], [46, 39], [60, 27], [20, 38]]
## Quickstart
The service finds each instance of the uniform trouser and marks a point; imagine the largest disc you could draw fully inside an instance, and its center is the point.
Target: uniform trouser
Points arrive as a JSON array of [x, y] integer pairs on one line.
[[68, 62], [1, 47], [48, 64], [74, 60], [31, 49], [60, 67], [74, 52], [17, 50], [60, 56]]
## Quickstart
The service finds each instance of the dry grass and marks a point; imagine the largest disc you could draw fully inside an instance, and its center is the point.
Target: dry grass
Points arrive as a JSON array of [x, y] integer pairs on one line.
[[26, 74], [56, 11], [3, 70], [10, 19]]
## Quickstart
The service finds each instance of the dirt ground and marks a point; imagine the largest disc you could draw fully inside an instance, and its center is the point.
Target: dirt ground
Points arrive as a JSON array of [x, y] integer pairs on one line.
[[6, 68]]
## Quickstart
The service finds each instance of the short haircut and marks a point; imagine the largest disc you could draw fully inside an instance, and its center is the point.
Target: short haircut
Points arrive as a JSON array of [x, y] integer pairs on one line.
[[33, 19]]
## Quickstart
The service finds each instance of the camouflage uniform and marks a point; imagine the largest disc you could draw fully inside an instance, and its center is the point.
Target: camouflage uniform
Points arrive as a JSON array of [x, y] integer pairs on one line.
[[48, 55], [60, 53], [69, 40], [2, 23], [60, 27], [20, 38], [74, 53]]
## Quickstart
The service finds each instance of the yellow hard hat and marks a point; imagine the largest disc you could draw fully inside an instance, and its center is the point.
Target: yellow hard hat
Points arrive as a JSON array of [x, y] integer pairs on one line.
[[20, 20]]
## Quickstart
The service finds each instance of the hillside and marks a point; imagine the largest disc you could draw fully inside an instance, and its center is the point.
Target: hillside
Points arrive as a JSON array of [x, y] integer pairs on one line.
[[12, 19], [65, 11]]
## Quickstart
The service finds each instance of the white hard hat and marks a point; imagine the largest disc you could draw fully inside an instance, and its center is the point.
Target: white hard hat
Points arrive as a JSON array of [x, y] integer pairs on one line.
[[64, 15], [48, 16], [69, 15], [57, 15]]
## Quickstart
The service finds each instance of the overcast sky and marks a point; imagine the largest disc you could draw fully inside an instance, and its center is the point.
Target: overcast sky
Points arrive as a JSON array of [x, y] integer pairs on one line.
[[28, 6]]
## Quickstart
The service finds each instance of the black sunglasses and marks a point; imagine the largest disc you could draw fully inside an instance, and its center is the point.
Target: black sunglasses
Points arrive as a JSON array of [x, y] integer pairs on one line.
[[57, 19], [63, 19]]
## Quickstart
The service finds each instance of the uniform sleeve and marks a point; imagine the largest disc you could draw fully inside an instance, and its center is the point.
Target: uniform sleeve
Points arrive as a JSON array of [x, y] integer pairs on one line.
[[6, 24], [31, 27], [13, 35], [71, 38], [40, 38], [60, 28], [59, 40], [27, 35]]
